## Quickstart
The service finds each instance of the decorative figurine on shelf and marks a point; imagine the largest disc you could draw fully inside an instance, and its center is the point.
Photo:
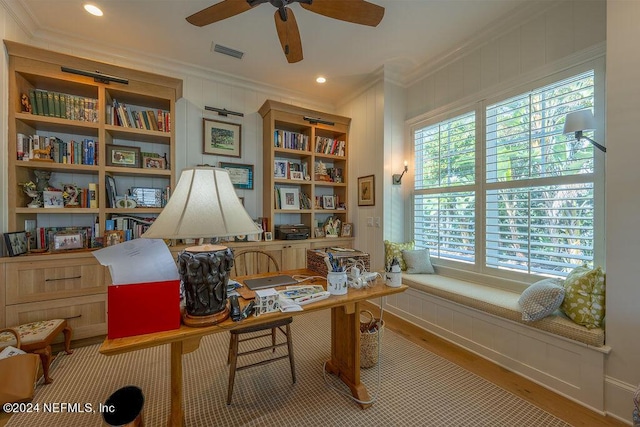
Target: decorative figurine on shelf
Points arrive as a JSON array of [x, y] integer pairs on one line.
[[321, 172], [70, 194], [25, 104], [30, 190], [332, 227], [42, 180]]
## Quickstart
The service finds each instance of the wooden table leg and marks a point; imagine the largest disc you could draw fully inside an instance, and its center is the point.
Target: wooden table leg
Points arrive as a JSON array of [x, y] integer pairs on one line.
[[176, 417], [345, 350]]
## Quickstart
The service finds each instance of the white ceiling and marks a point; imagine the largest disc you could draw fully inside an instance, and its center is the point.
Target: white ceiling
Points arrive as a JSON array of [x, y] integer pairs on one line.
[[411, 34]]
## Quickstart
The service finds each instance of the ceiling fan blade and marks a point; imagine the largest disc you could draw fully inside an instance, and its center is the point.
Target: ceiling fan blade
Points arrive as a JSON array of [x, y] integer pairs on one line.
[[219, 11], [289, 36], [356, 11]]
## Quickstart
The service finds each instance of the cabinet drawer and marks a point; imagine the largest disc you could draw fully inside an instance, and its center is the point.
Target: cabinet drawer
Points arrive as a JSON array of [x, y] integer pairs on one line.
[[86, 315], [51, 279]]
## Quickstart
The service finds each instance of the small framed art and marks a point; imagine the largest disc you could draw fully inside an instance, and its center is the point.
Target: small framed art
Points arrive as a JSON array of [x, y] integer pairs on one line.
[[16, 243], [241, 175], [153, 163], [297, 175], [328, 202], [221, 138], [280, 169], [268, 236], [119, 155], [53, 199], [367, 190], [67, 240], [113, 237], [147, 197], [318, 232], [347, 229], [289, 198]]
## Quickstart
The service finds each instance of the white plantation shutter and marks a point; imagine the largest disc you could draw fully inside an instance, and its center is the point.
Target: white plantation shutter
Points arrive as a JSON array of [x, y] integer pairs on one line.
[[444, 215], [533, 210], [539, 197]]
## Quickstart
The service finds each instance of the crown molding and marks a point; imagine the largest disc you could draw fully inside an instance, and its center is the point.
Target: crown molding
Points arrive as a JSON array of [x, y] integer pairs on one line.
[[21, 15]]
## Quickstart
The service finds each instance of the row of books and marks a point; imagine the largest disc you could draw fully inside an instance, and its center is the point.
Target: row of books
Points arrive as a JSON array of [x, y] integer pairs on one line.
[[52, 148], [121, 115], [62, 105], [290, 140], [330, 146], [132, 226]]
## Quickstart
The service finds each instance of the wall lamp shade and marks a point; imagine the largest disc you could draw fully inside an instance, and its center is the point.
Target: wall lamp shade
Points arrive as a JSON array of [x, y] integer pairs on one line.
[[579, 121], [396, 179], [203, 204]]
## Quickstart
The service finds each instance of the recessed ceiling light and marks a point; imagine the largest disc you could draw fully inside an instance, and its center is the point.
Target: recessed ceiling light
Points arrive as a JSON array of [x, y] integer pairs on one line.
[[92, 9], [321, 79]]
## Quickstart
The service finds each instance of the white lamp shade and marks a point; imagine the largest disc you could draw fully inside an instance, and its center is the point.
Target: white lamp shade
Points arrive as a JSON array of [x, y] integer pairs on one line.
[[204, 204], [579, 121]]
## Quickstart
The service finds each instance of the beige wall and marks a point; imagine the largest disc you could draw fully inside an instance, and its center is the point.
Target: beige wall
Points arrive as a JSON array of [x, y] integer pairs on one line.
[[623, 204]]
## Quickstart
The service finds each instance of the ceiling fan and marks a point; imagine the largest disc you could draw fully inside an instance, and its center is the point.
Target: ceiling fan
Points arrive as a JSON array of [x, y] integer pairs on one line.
[[355, 11]]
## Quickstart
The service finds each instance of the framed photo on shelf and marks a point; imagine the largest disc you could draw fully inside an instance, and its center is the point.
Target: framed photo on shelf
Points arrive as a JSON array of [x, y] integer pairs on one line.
[[328, 202], [289, 198], [318, 232], [347, 229], [367, 190], [16, 243], [126, 157], [147, 197], [154, 163], [67, 240], [241, 175], [221, 138], [53, 199], [113, 237], [297, 175], [280, 169], [268, 236], [110, 186]]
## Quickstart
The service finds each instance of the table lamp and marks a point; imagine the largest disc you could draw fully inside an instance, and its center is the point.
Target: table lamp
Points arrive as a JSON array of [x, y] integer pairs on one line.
[[203, 204]]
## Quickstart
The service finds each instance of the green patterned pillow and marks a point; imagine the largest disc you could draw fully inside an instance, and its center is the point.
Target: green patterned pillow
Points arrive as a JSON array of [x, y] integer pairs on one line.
[[392, 249], [584, 296]]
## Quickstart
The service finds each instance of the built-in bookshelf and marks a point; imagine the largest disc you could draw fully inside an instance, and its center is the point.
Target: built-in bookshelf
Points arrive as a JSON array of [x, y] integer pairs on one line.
[[93, 137], [305, 166]]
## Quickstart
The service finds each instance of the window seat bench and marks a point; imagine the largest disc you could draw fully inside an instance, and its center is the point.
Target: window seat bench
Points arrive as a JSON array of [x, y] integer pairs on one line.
[[554, 352]]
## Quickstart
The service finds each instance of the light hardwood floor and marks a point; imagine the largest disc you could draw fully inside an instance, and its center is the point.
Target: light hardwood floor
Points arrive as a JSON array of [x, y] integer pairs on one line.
[[563, 408], [553, 403]]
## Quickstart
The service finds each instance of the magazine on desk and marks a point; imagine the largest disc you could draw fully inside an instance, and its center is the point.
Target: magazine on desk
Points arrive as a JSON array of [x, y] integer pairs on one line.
[[294, 297]]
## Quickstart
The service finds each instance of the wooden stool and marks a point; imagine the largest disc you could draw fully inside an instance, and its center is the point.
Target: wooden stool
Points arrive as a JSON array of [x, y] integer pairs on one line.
[[36, 337]]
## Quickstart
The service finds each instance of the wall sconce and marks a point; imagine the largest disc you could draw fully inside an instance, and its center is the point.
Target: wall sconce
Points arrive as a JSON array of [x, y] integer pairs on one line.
[[397, 178], [579, 121]]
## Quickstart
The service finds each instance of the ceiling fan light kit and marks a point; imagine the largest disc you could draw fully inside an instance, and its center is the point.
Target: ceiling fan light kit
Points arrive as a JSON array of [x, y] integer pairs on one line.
[[355, 11]]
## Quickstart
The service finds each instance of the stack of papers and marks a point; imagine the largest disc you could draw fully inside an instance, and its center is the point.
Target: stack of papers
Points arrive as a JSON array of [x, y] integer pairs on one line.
[[294, 297]]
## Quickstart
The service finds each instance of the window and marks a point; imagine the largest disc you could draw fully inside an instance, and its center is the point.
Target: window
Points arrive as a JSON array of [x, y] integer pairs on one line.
[[531, 209]]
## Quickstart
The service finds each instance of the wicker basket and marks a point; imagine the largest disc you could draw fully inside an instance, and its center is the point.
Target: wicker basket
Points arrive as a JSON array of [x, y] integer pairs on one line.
[[370, 332]]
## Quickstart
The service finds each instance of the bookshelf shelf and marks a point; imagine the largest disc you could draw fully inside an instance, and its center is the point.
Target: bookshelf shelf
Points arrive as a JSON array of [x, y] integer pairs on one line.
[[74, 115], [284, 126]]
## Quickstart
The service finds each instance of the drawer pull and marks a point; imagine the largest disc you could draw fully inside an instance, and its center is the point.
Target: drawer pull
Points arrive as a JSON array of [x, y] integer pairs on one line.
[[63, 278]]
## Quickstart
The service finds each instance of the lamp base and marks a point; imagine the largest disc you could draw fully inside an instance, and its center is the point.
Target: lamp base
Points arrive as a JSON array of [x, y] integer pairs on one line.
[[202, 321]]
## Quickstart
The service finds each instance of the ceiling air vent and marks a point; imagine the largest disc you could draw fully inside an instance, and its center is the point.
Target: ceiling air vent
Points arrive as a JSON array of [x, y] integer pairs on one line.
[[228, 51]]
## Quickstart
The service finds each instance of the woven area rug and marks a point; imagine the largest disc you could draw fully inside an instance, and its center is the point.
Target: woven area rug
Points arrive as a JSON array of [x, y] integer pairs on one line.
[[416, 388]]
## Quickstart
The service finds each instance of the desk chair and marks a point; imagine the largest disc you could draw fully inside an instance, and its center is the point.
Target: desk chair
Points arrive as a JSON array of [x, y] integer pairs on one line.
[[256, 262]]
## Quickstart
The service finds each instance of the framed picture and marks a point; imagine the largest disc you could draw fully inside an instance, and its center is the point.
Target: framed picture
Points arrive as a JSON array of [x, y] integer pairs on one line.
[[113, 237], [366, 190], [53, 199], [268, 236], [280, 169], [289, 198], [119, 155], [154, 163], [16, 243], [110, 185], [221, 138], [241, 175], [328, 202], [347, 229], [318, 232], [147, 197], [297, 175], [68, 240]]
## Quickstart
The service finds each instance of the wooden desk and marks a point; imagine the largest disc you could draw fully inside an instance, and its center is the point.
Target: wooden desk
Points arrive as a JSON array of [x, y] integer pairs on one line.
[[345, 338]]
